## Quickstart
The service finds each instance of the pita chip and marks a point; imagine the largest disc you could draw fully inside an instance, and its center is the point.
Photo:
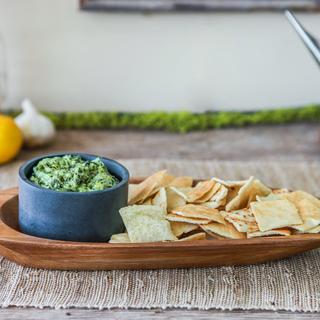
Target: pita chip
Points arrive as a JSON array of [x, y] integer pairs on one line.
[[314, 230], [160, 199], [196, 236], [243, 220], [224, 230], [270, 196], [209, 195], [219, 198], [181, 182], [180, 228], [200, 190], [275, 214], [248, 193], [280, 191], [149, 187], [176, 218], [308, 207], [120, 238], [199, 212], [275, 232], [174, 200], [145, 223], [230, 183], [182, 192]]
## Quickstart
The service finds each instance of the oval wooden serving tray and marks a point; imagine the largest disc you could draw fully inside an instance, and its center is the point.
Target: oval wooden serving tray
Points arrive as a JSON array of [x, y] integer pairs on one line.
[[52, 254]]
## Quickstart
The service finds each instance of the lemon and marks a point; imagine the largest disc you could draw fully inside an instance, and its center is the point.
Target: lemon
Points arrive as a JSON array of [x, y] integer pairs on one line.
[[10, 139]]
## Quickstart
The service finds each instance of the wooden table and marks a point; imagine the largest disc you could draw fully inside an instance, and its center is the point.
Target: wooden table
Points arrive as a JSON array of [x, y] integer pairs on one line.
[[79, 314]]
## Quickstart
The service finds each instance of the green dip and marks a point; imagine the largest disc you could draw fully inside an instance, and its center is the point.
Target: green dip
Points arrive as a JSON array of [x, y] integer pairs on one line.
[[72, 173]]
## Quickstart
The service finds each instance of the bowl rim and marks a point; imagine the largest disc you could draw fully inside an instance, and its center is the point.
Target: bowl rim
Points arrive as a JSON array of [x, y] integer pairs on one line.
[[33, 161]]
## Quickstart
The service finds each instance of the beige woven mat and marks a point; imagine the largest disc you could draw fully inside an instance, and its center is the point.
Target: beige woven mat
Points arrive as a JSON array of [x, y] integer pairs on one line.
[[291, 284]]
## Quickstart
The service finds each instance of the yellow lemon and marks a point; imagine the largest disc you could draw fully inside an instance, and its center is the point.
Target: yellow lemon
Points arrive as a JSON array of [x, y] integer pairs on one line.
[[10, 139]]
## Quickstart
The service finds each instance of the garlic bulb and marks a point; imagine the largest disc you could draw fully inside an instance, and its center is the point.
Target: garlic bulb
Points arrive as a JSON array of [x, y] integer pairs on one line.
[[37, 129]]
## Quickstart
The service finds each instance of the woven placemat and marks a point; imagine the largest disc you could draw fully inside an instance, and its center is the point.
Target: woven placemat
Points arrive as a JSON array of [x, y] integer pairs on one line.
[[290, 284]]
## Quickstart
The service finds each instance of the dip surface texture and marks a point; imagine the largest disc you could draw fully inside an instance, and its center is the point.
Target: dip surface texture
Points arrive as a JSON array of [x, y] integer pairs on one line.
[[73, 174]]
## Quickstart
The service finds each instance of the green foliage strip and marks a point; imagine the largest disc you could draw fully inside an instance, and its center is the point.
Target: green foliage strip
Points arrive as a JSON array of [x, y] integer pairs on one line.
[[181, 121]]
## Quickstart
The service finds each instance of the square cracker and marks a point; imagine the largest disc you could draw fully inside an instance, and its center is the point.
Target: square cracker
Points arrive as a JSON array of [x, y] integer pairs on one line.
[[275, 214]]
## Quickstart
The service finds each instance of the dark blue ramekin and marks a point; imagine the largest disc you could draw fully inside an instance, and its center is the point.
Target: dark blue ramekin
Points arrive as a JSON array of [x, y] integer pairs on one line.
[[73, 216]]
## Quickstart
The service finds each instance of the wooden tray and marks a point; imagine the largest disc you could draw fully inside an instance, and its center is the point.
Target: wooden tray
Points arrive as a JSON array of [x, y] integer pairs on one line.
[[52, 254]]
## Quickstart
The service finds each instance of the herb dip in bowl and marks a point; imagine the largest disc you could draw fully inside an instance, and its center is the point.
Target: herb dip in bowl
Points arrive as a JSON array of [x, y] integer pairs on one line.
[[72, 196]]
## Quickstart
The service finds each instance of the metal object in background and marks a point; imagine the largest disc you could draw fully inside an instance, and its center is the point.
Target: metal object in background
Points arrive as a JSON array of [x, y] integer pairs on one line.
[[310, 41], [198, 5]]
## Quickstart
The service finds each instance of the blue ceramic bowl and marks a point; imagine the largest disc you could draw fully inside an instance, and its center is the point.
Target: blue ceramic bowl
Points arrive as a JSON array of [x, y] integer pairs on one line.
[[74, 216]]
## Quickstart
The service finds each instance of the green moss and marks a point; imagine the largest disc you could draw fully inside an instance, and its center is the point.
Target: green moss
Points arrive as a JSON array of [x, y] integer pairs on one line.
[[180, 121]]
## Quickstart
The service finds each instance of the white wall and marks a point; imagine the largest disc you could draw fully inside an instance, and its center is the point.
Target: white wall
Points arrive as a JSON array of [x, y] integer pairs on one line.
[[66, 59]]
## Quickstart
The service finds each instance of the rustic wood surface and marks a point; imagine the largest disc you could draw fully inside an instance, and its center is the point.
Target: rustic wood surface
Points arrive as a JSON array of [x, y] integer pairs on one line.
[[292, 142], [63, 255], [158, 314]]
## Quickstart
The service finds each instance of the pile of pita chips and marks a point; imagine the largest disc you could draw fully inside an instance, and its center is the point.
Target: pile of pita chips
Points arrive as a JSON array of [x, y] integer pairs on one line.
[[168, 208]]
